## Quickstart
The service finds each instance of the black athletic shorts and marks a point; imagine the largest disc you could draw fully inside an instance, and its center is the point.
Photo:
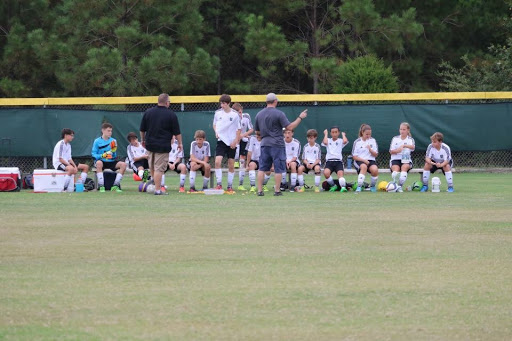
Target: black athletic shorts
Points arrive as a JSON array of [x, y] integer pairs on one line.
[[334, 166], [224, 150], [357, 165], [243, 151], [398, 163], [176, 167]]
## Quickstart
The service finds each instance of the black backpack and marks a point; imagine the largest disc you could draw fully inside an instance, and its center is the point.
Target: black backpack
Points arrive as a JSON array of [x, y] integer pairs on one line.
[[28, 181]]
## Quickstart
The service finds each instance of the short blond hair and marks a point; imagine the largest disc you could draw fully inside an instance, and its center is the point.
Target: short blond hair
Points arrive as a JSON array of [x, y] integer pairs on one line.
[[200, 134]]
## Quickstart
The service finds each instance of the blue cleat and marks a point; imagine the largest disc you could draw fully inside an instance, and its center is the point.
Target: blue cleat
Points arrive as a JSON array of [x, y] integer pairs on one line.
[[424, 188], [450, 190]]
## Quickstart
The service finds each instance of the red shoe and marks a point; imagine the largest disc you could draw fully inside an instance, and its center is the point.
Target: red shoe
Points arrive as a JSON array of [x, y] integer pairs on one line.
[[162, 189], [182, 190], [192, 190], [229, 190], [218, 187]]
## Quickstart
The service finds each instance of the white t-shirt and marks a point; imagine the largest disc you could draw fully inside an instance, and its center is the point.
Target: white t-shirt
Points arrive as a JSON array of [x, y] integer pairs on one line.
[[360, 148], [254, 146], [174, 154], [292, 149], [226, 125], [61, 150], [397, 142], [334, 149], [439, 155], [200, 153], [311, 153], [246, 125], [135, 151]]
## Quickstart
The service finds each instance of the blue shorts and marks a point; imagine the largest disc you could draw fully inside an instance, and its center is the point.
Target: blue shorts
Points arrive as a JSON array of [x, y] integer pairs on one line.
[[273, 155]]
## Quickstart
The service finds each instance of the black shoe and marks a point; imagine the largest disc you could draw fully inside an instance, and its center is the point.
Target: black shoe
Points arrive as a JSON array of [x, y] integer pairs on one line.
[[278, 194], [260, 194]]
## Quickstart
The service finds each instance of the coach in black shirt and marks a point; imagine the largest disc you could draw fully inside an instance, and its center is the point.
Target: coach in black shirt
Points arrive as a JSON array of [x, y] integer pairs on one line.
[[157, 127]]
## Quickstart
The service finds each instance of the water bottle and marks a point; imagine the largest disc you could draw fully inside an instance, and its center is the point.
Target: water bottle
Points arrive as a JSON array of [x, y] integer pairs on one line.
[[436, 185], [349, 162], [406, 155]]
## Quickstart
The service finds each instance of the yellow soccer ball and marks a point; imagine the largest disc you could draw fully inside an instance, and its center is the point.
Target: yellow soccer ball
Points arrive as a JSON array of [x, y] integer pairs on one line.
[[382, 186]]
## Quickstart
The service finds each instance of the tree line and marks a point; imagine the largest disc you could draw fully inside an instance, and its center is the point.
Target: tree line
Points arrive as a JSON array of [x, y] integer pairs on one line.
[[193, 47]]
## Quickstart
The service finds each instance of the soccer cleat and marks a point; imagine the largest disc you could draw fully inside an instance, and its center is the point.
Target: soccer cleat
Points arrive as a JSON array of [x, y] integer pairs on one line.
[[102, 189], [253, 189], [450, 190], [265, 189], [278, 194], [317, 190], [299, 189], [260, 194], [163, 189], [343, 189], [182, 190], [237, 164], [399, 189], [333, 188], [373, 189], [116, 189], [229, 190], [145, 175], [241, 188], [424, 188], [218, 187], [358, 189], [192, 190]]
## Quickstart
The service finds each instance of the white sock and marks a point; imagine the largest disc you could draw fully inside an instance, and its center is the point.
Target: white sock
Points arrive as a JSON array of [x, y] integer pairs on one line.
[[360, 180], [162, 183], [449, 178], [394, 175], [118, 179], [182, 179], [425, 177], [293, 180], [83, 177], [192, 178], [71, 187], [374, 181], [67, 179], [342, 181], [330, 181], [101, 180], [205, 182], [317, 180], [252, 177], [265, 180], [283, 178], [242, 164], [140, 173], [301, 180], [403, 178], [241, 174], [231, 176], [218, 175]]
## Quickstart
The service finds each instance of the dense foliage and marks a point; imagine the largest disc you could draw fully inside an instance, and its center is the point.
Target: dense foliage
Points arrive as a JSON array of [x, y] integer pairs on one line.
[[143, 47]]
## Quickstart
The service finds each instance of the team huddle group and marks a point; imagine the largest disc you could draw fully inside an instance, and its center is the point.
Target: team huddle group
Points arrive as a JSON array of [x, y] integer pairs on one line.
[[236, 141]]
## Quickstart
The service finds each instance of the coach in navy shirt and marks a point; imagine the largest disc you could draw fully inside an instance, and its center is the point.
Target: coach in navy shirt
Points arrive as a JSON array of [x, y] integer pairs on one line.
[[270, 123], [157, 127]]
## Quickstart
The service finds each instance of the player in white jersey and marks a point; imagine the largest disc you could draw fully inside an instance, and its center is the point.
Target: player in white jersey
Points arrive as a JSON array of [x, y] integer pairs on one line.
[[311, 158], [253, 156], [175, 164], [438, 156], [334, 158], [199, 158], [401, 147], [226, 125], [137, 157], [292, 147], [241, 149], [63, 161], [364, 152]]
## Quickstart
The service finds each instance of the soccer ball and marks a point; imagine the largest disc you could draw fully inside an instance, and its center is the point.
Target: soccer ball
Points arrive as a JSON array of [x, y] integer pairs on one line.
[[142, 187], [391, 187], [150, 189], [417, 186], [382, 186]]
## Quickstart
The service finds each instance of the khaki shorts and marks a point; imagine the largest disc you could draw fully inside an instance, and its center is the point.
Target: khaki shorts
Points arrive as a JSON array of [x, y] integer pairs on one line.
[[158, 161]]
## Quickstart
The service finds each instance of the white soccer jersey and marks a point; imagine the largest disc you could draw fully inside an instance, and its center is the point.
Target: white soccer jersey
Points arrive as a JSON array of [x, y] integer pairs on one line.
[[226, 125], [254, 146], [61, 150], [334, 149], [246, 124], [360, 148], [292, 149], [135, 151], [311, 153], [439, 155], [174, 153], [397, 142], [200, 153]]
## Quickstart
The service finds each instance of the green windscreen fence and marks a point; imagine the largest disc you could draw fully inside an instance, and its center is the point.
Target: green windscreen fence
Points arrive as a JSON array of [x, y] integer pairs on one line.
[[466, 127]]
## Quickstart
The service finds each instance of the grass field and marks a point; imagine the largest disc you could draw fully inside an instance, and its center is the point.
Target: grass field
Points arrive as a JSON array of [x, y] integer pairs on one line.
[[305, 266]]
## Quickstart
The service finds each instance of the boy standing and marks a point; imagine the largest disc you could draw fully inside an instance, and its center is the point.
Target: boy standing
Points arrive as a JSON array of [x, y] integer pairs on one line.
[[245, 133], [199, 158], [292, 159], [311, 158], [226, 125], [63, 161], [104, 152], [138, 156]]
